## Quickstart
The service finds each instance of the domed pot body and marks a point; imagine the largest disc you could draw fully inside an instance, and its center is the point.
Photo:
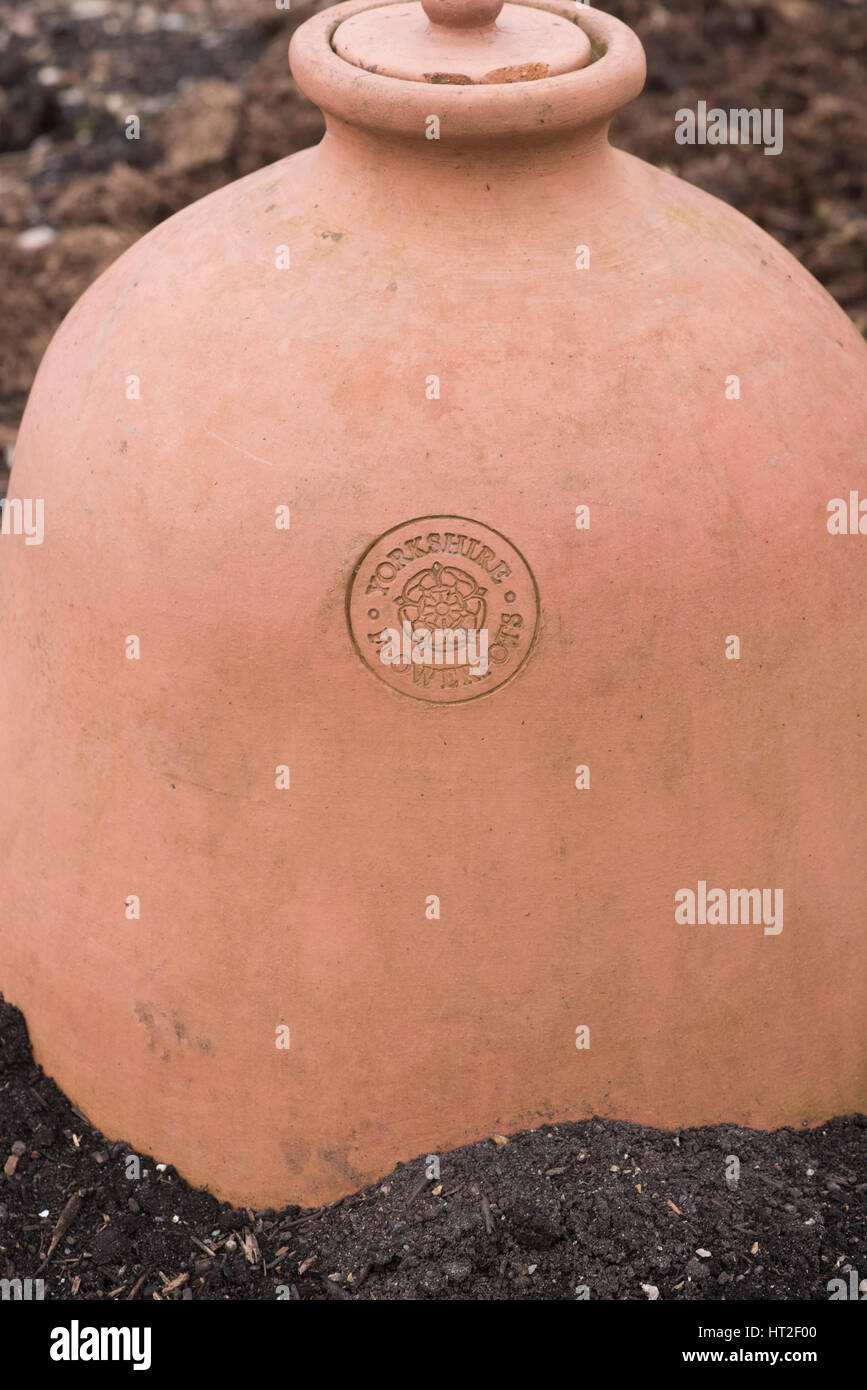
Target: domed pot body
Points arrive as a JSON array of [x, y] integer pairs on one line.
[[282, 914]]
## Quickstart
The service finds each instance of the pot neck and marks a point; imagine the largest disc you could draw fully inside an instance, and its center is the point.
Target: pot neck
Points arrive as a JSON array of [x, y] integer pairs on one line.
[[460, 184]]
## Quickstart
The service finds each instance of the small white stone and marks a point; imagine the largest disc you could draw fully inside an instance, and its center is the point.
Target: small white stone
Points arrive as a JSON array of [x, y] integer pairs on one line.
[[44, 1213], [652, 1291], [531, 1269], [704, 1254], [35, 238], [161, 1167]]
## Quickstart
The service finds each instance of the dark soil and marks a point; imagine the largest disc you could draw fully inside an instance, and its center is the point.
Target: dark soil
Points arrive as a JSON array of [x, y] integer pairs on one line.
[[601, 1206]]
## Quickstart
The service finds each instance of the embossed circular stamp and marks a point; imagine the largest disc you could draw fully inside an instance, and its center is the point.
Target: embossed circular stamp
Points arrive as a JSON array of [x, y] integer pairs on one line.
[[443, 609]]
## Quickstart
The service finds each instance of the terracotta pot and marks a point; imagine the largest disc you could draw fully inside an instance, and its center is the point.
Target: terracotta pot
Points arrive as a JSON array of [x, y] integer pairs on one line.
[[390, 336]]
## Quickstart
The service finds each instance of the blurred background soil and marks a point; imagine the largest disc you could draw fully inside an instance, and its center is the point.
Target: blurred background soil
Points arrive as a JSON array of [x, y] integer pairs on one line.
[[210, 84]]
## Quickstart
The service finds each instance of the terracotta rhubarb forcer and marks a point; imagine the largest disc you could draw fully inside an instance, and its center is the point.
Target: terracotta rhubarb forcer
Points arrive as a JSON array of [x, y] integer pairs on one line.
[[378, 384]]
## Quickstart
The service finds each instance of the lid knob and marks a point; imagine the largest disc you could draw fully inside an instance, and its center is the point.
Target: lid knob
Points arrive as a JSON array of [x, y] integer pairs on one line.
[[462, 14]]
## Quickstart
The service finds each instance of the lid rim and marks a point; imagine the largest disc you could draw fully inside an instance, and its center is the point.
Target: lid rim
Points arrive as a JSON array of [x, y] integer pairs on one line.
[[524, 43], [472, 112]]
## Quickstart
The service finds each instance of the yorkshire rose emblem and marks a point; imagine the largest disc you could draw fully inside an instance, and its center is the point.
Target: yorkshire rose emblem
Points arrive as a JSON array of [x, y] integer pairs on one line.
[[443, 609]]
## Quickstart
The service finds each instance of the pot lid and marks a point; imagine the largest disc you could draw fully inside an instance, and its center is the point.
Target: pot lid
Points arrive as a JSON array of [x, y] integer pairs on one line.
[[462, 42], [573, 69]]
